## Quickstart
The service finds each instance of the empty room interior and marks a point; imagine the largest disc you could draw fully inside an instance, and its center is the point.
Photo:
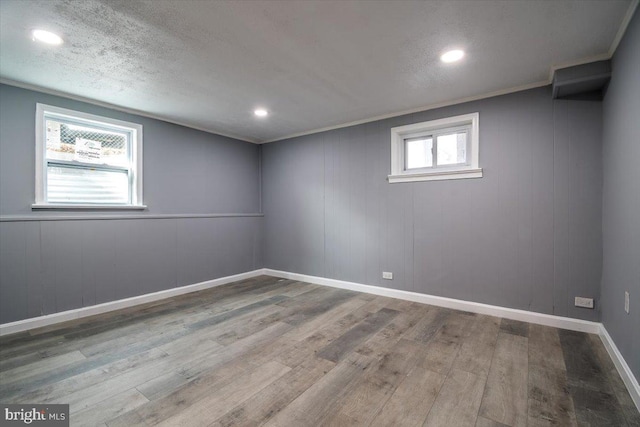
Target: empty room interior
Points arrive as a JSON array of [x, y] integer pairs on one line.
[[319, 213]]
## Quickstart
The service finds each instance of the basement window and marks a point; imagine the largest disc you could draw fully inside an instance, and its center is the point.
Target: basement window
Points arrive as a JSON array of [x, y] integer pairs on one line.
[[85, 161], [436, 150]]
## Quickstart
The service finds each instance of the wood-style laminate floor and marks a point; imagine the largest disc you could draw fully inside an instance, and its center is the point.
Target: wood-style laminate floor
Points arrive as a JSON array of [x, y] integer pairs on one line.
[[284, 353]]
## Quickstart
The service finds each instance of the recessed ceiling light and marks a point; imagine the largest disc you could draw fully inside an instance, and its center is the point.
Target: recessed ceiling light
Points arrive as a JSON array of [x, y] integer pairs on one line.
[[46, 37], [452, 56], [261, 112]]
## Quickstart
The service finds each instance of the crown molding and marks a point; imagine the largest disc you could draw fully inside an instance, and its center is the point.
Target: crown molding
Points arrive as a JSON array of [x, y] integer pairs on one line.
[[67, 95]]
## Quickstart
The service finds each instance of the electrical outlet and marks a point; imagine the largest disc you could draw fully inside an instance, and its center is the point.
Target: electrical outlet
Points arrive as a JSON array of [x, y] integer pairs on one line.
[[626, 302], [584, 302], [387, 275]]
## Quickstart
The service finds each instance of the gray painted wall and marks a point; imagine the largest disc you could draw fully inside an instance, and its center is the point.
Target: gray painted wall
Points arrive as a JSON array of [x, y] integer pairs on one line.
[[621, 200], [527, 235], [185, 170], [50, 266]]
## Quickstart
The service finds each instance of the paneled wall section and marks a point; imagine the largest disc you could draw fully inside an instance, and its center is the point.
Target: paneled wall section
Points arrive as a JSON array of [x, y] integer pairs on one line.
[[527, 235], [49, 264], [52, 266], [621, 201]]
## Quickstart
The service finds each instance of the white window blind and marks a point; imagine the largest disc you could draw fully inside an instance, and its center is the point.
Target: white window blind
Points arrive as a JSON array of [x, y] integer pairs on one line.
[[71, 184]]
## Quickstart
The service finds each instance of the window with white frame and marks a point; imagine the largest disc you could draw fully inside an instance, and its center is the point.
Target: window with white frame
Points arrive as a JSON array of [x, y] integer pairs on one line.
[[86, 161], [435, 150]]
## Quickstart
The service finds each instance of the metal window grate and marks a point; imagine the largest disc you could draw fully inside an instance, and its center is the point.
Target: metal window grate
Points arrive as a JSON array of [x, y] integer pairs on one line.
[[68, 135], [69, 142], [87, 159], [86, 164]]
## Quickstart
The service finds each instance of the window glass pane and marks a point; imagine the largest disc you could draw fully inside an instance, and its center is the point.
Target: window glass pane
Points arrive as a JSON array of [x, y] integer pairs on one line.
[[86, 144], [83, 185], [452, 149], [419, 153]]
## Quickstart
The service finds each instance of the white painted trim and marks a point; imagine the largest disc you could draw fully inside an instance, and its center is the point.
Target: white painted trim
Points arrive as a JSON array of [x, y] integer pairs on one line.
[[552, 69], [621, 365], [623, 27], [40, 148], [436, 176], [79, 206], [65, 316], [135, 130], [473, 307], [140, 113], [614, 45], [469, 306], [445, 122], [138, 175], [492, 310], [85, 217], [400, 134], [427, 107]]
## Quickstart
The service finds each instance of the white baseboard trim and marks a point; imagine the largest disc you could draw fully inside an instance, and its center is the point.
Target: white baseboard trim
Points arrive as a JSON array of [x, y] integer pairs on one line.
[[456, 304], [64, 316], [474, 307], [491, 310], [621, 365], [525, 316]]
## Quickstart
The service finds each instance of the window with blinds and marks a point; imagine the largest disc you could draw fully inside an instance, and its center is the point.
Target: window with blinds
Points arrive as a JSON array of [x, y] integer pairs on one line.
[[87, 160]]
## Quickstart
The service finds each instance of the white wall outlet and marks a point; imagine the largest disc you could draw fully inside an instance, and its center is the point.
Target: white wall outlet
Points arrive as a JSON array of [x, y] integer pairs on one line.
[[626, 302], [584, 302], [387, 275]]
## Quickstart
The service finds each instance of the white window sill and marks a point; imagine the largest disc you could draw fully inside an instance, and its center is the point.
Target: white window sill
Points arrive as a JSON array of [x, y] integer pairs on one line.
[[436, 175], [53, 206]]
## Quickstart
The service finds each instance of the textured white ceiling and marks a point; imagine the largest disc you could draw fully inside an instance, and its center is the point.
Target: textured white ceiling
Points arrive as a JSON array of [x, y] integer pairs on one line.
[[312, 64]]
